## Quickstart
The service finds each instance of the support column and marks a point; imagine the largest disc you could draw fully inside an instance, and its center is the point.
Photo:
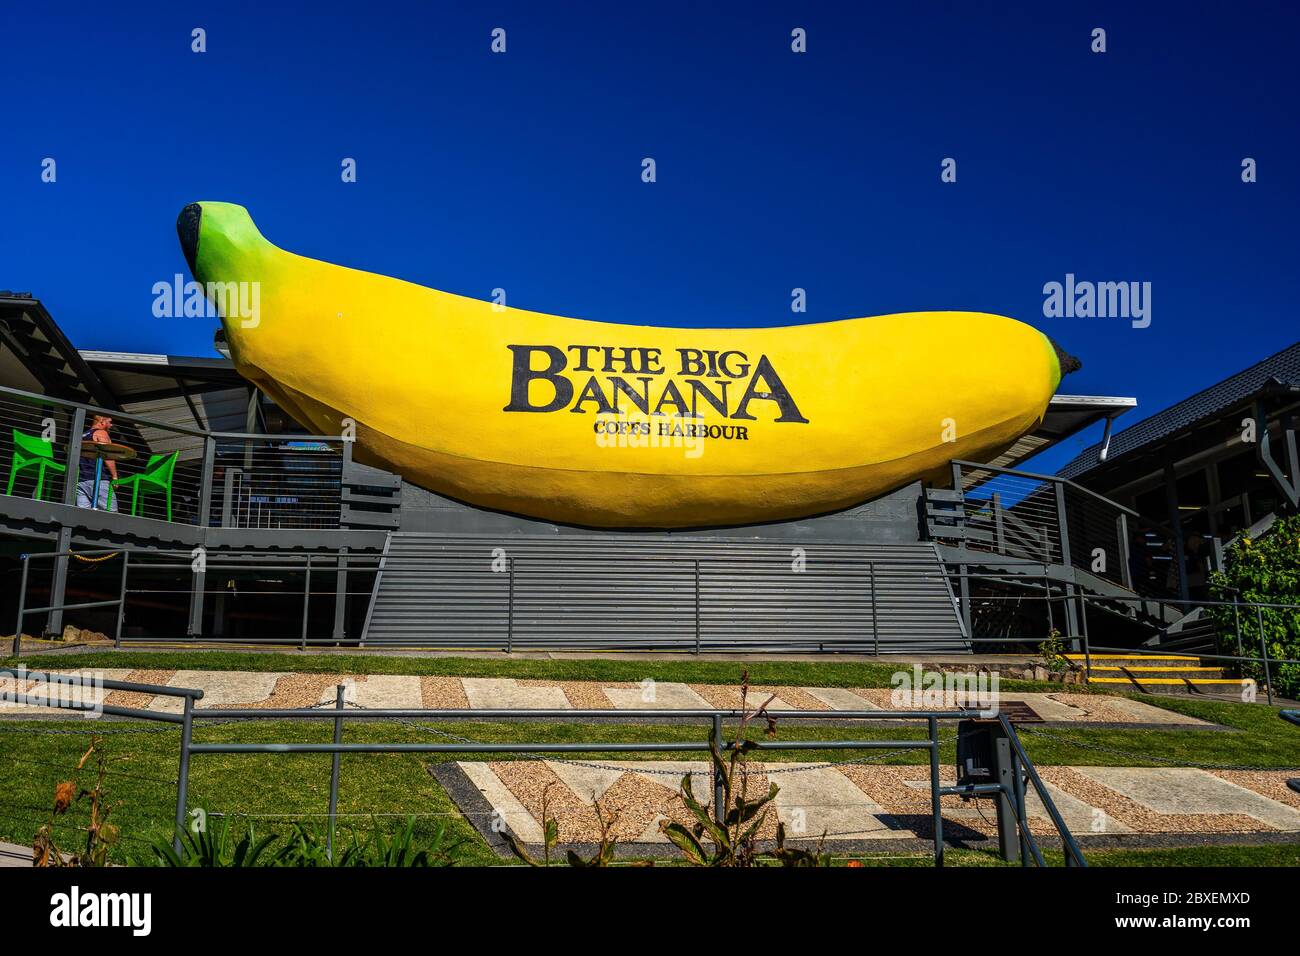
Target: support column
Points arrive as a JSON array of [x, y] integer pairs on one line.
[[341, 596], [1067, 560], [59, 583], [1176, 526]]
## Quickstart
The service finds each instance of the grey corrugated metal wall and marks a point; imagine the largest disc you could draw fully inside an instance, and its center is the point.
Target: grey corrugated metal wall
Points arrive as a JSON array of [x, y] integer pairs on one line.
[[633, 591]]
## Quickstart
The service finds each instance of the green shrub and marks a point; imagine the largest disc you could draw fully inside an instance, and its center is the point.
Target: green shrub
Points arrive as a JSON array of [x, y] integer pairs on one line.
[[215, 846], [1266, 570]]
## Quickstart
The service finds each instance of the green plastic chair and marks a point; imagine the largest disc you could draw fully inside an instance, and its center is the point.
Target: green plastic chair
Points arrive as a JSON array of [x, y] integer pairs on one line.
[[32, 452], [157, 474]]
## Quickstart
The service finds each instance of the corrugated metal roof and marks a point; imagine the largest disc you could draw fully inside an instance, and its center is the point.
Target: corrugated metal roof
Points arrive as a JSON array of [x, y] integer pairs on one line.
[[1205, 404]]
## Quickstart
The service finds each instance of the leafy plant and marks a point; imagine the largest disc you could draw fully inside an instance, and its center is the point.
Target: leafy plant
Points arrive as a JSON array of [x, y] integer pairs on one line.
[[604, 855], [213, 846], [1266, 571], [100, 834], [1052, 651], [732, 840]]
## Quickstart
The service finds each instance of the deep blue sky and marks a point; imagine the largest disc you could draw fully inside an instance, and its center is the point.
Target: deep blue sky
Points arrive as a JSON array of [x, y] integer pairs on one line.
[[775, 170]]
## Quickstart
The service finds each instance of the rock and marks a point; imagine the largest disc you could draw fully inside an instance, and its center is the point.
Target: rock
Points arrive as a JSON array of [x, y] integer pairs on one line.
[[82, 636]]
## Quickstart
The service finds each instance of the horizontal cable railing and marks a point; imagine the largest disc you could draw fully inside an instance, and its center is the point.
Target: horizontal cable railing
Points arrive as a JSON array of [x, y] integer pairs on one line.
[[276, 483], [166, 472], [1049, 519]]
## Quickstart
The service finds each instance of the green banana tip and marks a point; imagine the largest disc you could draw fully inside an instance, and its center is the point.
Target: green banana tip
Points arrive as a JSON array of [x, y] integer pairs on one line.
[[187, 229]]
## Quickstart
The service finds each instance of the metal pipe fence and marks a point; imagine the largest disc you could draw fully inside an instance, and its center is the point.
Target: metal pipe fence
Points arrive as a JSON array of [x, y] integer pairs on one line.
[[714, 743]]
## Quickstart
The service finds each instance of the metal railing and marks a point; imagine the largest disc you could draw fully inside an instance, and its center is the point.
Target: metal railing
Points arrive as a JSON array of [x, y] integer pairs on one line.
[[1058, 599], [1043, 518], [1012, 790], [693, 605], [220, 565], [218, 479]]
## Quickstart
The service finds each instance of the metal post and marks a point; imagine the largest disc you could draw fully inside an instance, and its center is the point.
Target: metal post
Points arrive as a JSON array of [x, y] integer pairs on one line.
[[1022, 813], [334, 774], [510, 604], [229, 505], [341, 596], [875, 628], [697, 608], [1067, 559], [1236, 615], [22, 599], [1087, 650], [1125, 560], [198, 591], [1263, 650], [73, 462], [719, 791], [59, 582], [1047, 590], [1176, 526], [121, 600], [1063, 526], [306, 602], [964, 582], [183, 778], [205, 486], [998, 529], [934, 790], [1008, 807]]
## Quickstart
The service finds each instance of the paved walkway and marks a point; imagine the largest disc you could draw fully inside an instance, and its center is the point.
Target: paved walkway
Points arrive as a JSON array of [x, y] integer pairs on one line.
[[284, 690], [865, 802]]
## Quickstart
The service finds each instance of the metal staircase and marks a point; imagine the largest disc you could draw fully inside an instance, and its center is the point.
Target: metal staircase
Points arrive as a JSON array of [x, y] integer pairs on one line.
[[665, 592], [1046, 535]]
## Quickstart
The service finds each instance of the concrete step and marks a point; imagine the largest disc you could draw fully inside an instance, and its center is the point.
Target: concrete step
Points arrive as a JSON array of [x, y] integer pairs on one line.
[[1225, 687], [1141, 673]]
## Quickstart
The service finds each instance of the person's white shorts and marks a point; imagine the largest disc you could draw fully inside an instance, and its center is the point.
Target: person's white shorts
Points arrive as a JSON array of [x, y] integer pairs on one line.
[[86, 489]]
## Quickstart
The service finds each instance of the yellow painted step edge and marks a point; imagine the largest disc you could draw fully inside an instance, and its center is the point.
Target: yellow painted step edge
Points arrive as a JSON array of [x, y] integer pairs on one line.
[[1130, 657], [1156, 670], [1166, 680]]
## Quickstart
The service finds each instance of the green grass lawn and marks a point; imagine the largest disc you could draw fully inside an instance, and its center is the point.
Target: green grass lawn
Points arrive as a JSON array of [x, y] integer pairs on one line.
[[267, 792], [811, 673]]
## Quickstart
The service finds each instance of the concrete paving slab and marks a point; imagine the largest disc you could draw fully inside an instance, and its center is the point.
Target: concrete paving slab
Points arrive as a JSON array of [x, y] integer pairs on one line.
[[220, 689], [667, 696], [585, 781], [1080, 817], [838, 698], [489, 693], [392, 691], [1148, 713], [506, 804], [1048, 709], [821, 800], [1187, 790], [85, 693]]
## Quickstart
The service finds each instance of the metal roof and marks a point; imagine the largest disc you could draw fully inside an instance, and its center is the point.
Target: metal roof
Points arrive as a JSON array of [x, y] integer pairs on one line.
[[174, 390], [1230, 393], [1066, 415]]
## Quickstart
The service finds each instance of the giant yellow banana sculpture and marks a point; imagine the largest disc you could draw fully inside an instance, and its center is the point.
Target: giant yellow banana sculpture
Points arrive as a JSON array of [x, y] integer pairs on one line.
[[609, 425]]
